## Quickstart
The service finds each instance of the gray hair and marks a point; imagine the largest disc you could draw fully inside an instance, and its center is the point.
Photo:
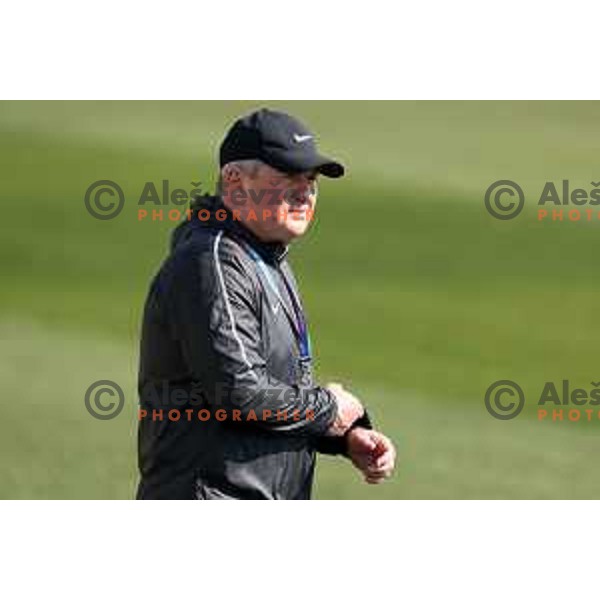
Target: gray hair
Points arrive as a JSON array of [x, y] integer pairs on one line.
[[249, 166]]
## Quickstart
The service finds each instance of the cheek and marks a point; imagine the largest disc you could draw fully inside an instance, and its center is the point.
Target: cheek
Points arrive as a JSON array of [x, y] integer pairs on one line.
[[268, 218]]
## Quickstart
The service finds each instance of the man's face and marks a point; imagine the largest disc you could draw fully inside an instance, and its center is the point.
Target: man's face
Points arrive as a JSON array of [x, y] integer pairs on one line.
[[275, 206]]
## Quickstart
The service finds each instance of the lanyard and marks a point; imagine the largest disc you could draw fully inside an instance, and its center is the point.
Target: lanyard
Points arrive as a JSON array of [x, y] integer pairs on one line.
[[299, 324]]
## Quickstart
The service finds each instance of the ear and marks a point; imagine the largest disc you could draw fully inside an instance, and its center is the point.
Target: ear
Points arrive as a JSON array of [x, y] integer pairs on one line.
[[231, 173]]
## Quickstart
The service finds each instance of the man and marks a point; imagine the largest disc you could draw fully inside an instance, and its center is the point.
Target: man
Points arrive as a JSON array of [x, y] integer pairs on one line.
[[228, 404]]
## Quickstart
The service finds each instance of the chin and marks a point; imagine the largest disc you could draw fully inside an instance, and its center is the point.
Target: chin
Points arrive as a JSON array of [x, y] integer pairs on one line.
[[295, 230], [284, 233]]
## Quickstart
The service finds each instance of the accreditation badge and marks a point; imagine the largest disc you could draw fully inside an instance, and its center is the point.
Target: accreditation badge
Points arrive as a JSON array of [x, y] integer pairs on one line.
[[305, 372]]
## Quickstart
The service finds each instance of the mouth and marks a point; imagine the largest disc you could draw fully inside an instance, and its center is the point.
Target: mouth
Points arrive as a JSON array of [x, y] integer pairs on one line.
[[298, 211]]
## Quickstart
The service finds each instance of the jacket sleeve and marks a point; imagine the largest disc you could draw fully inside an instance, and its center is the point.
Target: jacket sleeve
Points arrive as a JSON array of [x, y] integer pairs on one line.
[[215, 314], [338, 444]]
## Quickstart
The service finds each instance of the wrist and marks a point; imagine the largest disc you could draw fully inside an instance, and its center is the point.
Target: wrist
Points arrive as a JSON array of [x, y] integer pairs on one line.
[[364, 421]]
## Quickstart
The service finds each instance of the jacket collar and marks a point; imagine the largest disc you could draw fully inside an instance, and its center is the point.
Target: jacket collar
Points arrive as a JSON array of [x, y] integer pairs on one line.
[[273, 252]]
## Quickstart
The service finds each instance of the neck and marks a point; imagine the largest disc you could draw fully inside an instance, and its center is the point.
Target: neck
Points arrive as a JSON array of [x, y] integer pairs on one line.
[[273, 249]]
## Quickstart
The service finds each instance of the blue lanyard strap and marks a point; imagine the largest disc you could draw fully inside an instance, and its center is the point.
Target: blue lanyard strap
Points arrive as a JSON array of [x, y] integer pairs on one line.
[[302, 327], [299, 324]]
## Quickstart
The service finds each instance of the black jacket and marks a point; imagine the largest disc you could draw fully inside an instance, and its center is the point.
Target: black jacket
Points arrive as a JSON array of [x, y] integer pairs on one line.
[[218, 333]]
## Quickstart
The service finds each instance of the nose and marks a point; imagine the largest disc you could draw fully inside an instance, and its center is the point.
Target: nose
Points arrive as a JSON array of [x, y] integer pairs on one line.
[[301, 188], [307, 185], [304, 190]]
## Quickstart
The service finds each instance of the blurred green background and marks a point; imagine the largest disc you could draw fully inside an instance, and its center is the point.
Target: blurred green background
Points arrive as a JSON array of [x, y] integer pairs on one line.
[[417, 297]]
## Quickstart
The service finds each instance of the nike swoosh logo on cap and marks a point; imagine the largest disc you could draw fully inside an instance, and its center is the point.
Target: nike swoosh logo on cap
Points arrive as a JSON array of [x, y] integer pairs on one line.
[[301, 138]]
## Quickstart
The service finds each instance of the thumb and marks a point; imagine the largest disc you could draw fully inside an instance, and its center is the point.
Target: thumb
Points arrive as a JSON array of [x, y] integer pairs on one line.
[[381, 445], [334, 385]]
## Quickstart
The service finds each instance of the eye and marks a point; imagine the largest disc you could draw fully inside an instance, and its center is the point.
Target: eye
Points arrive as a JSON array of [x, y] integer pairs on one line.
[[277, 180]]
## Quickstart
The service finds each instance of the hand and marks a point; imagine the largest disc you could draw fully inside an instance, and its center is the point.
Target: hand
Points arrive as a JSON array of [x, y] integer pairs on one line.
[[372, 453], [349, 409]]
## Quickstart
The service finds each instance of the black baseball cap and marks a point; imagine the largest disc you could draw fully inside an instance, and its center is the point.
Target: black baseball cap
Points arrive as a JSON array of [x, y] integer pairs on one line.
[[278, 140]]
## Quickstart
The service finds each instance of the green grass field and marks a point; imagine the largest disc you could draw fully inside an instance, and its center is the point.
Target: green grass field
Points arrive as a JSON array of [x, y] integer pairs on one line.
[[418, 299]]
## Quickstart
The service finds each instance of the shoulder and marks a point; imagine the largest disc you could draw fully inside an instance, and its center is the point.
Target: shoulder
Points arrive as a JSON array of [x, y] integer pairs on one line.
[[211, 252]]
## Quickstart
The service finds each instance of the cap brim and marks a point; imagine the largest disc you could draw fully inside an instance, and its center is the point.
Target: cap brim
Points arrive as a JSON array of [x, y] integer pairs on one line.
[[294, 163], [330, 168]]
